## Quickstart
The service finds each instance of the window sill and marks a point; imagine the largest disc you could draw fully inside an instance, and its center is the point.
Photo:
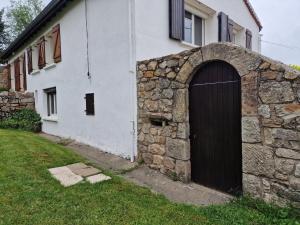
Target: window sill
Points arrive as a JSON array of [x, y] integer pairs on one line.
[[51, 119], [187, 44], [50, 66], [35, 72]]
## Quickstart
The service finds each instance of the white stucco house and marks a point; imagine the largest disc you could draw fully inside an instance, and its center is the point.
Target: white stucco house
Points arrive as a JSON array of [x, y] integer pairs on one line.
[[79, 59]]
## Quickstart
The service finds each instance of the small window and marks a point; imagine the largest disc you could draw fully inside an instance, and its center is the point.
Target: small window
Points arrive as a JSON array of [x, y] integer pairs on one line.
[[193, 29], [248, 39], [90, 106], [51, 102]]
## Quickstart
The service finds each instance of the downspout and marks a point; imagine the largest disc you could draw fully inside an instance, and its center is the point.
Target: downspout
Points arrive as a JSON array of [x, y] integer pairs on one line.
[[87, 39], [132, 73]]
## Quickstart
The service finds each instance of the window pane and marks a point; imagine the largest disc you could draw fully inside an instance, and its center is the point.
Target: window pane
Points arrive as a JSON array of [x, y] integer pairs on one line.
[[198, 31], [52, 103], [48, 104], [55, 104], [188, 25]]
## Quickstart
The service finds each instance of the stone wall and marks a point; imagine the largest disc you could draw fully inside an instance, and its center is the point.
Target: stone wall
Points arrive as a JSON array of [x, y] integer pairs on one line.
[[4, 78], [13, 101], [270, 118]]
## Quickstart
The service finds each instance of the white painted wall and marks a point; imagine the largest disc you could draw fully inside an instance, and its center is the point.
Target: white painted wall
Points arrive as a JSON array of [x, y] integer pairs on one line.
[[152, 26], [120, 33], [110, 129]]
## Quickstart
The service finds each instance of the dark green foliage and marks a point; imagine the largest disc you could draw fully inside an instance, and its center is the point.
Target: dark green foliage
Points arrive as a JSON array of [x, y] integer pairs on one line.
[[3, 89], [4, 37], [25, 119], [21, 13], [296, 67]]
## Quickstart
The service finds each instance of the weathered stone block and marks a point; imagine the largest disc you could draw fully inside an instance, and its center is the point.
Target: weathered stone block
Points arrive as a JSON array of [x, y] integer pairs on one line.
[[180, 106], [284, 166], [183, 170], [249, 94], [269, 75], [149, 74], [258, 160], [158, 159], [183, 131], [149, 86], [276, 92], [264, 111], [297, 170], [157, 149], [148, 158], [167, 93], [185, 72], [251, 130], [252, 185], [288, 110], [295, 183], [195, 59], [152, 65], [169, 163], [178, 149], [288, 153]]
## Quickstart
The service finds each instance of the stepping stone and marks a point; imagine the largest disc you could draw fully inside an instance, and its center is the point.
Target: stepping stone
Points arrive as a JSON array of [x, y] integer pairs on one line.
[[77, 166], [98, 178], [83, 170], [87, 172], [65, 176]]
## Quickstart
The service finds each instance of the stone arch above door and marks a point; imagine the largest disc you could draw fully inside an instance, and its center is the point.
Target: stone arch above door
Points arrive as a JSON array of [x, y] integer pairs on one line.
[[270, 118]]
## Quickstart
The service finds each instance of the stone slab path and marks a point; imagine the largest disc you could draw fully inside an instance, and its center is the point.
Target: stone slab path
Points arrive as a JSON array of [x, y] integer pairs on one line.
[[65, 176], [100, 158], [176, 191], [143, 176], [73, 174]]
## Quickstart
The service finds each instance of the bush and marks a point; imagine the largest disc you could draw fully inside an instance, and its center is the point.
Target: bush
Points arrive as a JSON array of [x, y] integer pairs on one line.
[[24, 119], [296, 67], [3, 89]]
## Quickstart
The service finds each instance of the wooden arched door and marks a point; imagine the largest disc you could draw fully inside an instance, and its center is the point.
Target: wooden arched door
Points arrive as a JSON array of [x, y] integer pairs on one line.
[[215, 122]]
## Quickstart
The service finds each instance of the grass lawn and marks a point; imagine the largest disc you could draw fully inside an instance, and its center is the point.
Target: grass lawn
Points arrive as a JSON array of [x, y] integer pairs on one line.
[[28, 195]]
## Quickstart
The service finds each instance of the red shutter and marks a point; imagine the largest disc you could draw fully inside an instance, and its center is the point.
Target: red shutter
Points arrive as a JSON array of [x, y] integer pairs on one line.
[[57, 44], [24, 73], [29, 60], [17, 75], [248, 39], [42, 53]]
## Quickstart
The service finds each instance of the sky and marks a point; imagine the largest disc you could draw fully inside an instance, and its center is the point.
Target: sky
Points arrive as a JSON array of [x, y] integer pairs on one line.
[[281, 32]]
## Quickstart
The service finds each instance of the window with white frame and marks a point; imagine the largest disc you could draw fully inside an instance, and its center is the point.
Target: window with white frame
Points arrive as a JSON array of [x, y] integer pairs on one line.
[[51, 102], [193, 29]]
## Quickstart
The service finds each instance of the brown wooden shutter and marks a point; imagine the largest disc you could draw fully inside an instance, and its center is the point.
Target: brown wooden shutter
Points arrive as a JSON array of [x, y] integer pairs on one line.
[[90, 105], [24, 72], [57, 44], [17, 74], [176, 19], [223, 27], [29, 60], [42, 53], [248, 39]]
